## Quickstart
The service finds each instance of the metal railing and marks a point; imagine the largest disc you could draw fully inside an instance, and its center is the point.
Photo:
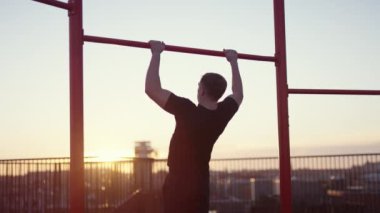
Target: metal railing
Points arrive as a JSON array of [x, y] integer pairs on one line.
[[330, 183], [36, 185]]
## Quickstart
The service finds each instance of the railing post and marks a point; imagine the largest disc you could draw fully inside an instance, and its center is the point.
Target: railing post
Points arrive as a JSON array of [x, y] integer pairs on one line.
[[76, 195], [282, 107], [142, 170]]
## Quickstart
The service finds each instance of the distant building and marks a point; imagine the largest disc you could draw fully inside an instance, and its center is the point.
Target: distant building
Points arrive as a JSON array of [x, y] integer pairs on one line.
[[143, 149], [261, 188], [142, 165]]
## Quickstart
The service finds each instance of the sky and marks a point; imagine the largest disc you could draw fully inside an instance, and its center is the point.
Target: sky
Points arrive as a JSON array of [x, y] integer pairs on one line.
[[330, 45]]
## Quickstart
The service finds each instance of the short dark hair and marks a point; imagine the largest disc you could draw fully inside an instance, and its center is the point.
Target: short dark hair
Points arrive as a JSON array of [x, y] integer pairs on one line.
[[214, 85]]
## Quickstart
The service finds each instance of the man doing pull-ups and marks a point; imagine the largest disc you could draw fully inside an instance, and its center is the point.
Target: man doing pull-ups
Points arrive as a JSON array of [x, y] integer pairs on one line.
[[186, 187]]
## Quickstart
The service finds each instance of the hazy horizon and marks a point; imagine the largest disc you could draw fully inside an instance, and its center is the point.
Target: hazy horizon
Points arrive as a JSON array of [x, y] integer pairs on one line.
[[367, 148]]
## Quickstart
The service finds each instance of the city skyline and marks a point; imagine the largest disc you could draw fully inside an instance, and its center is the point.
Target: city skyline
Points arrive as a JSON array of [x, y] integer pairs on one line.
[[330, 45], [346, 182]]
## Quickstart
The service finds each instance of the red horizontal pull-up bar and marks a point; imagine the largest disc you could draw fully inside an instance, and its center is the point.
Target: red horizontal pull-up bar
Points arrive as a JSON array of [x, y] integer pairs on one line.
[[172, 48], [55, 3], [333, 92]]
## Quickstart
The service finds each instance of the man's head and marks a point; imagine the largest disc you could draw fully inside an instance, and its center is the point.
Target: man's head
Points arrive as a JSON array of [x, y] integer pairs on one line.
[[212, 85]]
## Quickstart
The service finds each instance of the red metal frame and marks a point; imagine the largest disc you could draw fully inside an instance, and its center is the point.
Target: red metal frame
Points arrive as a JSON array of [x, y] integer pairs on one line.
[[77, 194], [282, 107], [55, 3], [173, 48], [77, 38], [333, 92]]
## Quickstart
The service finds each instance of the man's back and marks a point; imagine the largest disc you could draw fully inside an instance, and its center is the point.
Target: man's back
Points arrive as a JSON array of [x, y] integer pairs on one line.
[[197, 129], [186, 187]]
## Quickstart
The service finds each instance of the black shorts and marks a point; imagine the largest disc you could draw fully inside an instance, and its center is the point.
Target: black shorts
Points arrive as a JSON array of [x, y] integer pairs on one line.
[[186, 194]]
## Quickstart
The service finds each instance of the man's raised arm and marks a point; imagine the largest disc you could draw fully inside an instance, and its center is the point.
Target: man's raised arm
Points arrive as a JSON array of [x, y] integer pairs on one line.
[[237, 86], [152, 81]]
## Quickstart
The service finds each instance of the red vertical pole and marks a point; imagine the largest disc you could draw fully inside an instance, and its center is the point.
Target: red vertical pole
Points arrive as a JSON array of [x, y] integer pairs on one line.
[[76, 108], [282, 107]]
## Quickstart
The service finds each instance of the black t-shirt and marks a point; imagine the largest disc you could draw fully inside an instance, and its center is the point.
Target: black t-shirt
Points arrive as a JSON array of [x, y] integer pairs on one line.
[[197, 129]]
